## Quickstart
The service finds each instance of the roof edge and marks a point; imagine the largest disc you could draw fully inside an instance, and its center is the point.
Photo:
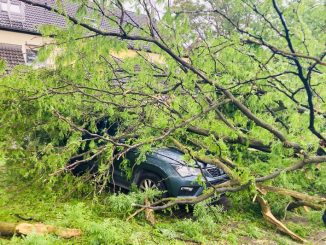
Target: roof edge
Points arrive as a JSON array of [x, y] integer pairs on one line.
[[11, 29]]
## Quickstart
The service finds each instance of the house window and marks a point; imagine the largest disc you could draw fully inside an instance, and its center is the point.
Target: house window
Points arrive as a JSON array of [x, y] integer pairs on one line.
[[30, 56], [16, 11], [11, 7]]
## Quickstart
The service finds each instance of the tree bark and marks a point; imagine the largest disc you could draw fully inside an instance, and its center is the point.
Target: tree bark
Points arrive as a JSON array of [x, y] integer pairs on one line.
[[297, 204], [7, 229], [292, 193]]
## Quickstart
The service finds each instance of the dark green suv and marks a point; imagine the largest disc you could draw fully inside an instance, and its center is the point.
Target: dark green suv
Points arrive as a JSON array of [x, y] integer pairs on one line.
[[166, 170]]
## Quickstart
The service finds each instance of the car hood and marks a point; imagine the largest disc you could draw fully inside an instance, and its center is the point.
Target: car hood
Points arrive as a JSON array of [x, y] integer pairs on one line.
[[176, 157]]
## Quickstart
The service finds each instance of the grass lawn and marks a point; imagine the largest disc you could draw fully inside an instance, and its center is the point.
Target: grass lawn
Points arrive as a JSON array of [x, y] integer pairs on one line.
[[102, 220]]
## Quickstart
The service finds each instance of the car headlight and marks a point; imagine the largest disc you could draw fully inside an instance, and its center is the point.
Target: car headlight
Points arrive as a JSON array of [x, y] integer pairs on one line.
[[185, 171]]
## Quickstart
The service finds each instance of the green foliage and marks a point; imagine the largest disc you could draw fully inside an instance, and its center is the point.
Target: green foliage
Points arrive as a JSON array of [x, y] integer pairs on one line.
[[2, 66], [314, 217], [208, 215], [298, 229], [107, 231], [278, 204], [231, 238], [191, 229], [252, 230], [34, 239], [50, 115], [102, 223], [122, 204]]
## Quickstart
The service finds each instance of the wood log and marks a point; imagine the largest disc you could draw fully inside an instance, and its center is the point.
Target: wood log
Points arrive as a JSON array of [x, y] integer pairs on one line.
[[297, 204], [10, 229], [268, 215], [7, 229], [292, 193], [149, 213]]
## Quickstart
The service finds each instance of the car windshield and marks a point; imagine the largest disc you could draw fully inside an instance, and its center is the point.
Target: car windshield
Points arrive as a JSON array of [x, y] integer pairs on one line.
[[173, 156]]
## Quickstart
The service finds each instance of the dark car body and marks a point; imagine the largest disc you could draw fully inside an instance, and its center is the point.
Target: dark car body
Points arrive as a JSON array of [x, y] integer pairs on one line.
[[167, 165]]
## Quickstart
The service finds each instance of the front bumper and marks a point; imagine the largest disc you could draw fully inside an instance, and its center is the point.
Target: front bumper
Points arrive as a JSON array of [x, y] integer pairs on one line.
[[189, 187]]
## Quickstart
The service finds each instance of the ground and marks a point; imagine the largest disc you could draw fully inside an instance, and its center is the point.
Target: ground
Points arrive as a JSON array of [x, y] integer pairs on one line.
[[102, 220]]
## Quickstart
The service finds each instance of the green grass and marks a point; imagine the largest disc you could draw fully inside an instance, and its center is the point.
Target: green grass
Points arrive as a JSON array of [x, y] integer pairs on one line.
[[102, 219]]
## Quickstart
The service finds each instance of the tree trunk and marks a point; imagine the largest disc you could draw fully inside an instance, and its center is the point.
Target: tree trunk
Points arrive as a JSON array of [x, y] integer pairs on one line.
[[7, 229], [292, 193]]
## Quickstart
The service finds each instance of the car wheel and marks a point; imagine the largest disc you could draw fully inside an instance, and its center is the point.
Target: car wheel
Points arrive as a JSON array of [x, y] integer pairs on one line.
[[152, 181], [224, 202]]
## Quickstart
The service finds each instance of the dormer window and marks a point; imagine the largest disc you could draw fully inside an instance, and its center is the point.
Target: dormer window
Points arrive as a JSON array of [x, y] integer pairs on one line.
[[16, 11], [13, 8]]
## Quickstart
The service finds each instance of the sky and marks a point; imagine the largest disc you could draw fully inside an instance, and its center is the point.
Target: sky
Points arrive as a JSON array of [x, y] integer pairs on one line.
[[159, 5]]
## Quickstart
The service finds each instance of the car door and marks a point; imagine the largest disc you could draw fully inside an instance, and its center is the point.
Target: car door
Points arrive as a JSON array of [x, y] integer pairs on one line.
[[119, 174]]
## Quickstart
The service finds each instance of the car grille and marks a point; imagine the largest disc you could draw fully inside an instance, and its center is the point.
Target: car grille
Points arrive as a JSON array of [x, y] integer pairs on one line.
[[215, 172]]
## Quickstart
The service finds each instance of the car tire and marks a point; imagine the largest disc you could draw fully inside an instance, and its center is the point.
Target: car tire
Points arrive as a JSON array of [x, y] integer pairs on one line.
[[151, 180], [224, 202]]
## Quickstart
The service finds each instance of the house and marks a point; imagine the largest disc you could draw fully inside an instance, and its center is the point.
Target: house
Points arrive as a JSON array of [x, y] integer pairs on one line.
[[20, 36], [19, 33]]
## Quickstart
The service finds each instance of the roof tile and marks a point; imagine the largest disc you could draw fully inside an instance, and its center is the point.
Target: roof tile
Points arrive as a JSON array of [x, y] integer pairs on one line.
[[37, 16], [12, 54]]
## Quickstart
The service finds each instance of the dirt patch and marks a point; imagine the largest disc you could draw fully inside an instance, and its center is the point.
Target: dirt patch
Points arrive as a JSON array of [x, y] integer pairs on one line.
[[297, 219], [248, 240], [319, 238]]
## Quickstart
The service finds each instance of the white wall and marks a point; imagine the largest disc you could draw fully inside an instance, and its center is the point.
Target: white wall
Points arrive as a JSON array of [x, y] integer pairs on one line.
[[25, 40]]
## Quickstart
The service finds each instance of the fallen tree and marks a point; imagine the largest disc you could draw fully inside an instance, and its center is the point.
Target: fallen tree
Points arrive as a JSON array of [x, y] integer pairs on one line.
[[231, 88], [266, 211]]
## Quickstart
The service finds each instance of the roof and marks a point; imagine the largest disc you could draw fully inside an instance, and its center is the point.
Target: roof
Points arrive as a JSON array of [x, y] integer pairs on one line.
[[37, 16], [12, 54], [32, 17]]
